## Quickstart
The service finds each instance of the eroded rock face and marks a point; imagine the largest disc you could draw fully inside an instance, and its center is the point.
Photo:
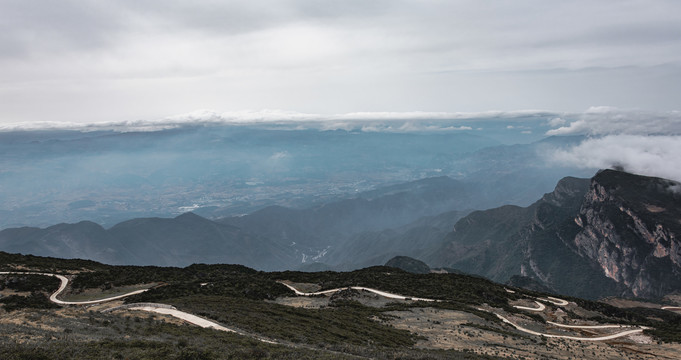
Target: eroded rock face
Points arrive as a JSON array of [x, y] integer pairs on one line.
[[615, 234], [626, 229]]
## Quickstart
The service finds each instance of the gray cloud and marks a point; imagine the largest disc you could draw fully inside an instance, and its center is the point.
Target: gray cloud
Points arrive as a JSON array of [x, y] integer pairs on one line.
[[32, 28], [133, 59]]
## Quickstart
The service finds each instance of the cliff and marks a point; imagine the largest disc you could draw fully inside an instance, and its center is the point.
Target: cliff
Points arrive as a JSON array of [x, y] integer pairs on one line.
[[630, 226], [615, 234]]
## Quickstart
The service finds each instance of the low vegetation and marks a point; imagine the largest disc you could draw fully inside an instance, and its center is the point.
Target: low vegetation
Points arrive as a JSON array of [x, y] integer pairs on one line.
[[34, 301], [243, 299]]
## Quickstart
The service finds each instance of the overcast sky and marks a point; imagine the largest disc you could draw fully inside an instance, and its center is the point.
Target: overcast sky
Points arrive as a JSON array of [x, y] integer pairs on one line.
[[94, 61]]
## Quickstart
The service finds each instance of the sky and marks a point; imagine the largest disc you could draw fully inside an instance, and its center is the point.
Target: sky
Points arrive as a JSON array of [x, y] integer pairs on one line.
[[80, 61]]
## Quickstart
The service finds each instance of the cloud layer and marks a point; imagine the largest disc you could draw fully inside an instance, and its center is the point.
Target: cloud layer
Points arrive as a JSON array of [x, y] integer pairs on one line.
[[647, 155], [418, 121], [608, 120], [642, 142]]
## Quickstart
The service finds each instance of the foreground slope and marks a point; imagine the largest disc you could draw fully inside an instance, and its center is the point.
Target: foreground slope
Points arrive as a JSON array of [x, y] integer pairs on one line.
[[377, 312]]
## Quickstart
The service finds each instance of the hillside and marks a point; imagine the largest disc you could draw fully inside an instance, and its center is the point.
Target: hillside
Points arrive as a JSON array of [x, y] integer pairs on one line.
[[233, 312]]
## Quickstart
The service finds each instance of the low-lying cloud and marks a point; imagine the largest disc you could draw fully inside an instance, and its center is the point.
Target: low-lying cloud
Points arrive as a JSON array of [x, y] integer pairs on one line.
[[656, 155], [414, 121], [609, 121], [643, 142]]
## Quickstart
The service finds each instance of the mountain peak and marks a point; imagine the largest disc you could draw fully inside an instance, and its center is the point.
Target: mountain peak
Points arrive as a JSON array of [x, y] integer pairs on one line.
[[189, 216], [567, 191]]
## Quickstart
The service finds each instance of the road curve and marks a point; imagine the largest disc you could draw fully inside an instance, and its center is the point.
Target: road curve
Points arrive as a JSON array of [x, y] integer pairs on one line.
[[159, 308], [378, 292], [555, 301], [598, 338], [540, 307], [593, 326], [64, 282]]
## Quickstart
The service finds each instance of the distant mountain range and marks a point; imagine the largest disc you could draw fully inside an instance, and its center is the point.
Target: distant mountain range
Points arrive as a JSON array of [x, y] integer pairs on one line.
[[348, 234], [614, 234], [273, 238], [185, 239]]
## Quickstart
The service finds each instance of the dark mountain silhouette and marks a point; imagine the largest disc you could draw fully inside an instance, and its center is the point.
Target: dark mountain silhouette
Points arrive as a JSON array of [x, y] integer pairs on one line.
[[183, 240]]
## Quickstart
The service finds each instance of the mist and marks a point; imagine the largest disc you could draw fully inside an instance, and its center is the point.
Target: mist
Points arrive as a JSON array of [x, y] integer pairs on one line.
[[647, 155]]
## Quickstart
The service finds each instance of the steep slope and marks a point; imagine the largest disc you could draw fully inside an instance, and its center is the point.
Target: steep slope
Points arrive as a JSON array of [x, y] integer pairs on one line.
[[615, 234], [376, 247], [630, 226]]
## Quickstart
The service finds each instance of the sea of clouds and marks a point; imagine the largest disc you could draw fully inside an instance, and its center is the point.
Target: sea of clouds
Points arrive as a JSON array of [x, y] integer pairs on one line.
[[366, 121], [643, 142]]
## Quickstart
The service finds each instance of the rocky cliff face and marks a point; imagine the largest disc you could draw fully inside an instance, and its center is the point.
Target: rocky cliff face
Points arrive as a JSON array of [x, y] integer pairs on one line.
[[615, 234], [629, 226]]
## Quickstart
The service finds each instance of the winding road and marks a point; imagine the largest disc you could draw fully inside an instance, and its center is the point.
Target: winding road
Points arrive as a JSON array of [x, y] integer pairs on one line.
[[556, 301], [64, 282], [378, 292], [199, 321], [159, 308], [540, 307], [598, 338]]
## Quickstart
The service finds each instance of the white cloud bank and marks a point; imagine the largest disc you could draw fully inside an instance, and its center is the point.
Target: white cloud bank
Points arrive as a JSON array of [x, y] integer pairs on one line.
[[646, 155], [647, 143], [414, 121], [605, 120]]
